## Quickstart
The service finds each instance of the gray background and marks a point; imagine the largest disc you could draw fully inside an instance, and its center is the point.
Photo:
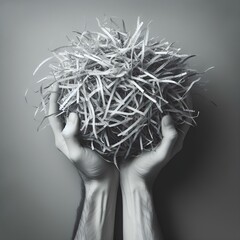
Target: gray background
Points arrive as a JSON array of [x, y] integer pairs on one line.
[[197, 194]]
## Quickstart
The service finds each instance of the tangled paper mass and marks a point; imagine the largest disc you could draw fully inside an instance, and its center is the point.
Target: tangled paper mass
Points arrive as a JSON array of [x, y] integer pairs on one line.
[[120, 85]]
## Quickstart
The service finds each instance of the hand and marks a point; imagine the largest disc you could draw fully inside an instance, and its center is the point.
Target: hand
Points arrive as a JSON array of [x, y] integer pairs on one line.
[[88, 162], [137, 177], [146, 166], [100, 178]]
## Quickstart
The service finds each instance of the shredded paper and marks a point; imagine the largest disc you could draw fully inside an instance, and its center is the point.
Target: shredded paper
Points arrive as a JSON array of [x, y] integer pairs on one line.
[[120, 85]]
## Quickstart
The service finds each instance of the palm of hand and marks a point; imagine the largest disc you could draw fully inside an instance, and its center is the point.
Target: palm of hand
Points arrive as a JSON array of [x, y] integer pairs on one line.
[[147, 165], [93, 166], [88, 162]]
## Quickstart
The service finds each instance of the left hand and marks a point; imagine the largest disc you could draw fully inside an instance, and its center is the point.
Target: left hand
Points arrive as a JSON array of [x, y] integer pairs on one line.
[[90, 164]]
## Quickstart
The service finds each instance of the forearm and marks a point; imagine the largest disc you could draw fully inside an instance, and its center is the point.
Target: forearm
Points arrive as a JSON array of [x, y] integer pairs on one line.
[[98, 215], [139, 218]]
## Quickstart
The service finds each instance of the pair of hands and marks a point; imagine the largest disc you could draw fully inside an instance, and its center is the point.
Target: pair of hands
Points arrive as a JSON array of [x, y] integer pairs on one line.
[[101, 180], [92, 166]]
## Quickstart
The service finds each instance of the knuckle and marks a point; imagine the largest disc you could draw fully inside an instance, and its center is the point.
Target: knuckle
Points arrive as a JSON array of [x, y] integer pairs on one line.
[[75, 156], [173, 134], [65, 134]]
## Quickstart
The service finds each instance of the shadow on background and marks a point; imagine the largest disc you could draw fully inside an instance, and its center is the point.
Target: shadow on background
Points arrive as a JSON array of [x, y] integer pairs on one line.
[[181, 171]]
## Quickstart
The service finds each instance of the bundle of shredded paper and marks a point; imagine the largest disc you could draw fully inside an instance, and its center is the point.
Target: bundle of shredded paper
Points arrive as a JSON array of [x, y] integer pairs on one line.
[[120, 85]]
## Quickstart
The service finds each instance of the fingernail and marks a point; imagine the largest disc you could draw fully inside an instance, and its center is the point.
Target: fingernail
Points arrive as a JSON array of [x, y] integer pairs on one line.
[[167, 120]]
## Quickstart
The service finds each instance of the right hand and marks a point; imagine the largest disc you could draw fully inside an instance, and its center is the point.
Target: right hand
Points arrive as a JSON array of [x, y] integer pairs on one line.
[[145, 167]]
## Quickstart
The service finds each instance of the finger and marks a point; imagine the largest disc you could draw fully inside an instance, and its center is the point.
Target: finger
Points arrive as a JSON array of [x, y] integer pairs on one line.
[[163, 151], [183, 129], [182, 132], [70, 134], [54, 121]]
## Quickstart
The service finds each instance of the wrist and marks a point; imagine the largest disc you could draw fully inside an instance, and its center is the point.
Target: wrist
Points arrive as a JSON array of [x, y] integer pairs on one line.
[[109, 176], [97, 220], [106, 183], [130, 179], [140, 220], [133, 183]]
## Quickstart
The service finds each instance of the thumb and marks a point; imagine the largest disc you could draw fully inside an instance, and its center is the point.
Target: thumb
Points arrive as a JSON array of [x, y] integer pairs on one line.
[[163, 151], [70, 133], [168, 128], [72, 126]]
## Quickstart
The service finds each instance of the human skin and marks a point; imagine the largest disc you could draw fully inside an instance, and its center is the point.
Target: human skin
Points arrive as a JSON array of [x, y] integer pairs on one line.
[[136, 180], [101, 180]]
